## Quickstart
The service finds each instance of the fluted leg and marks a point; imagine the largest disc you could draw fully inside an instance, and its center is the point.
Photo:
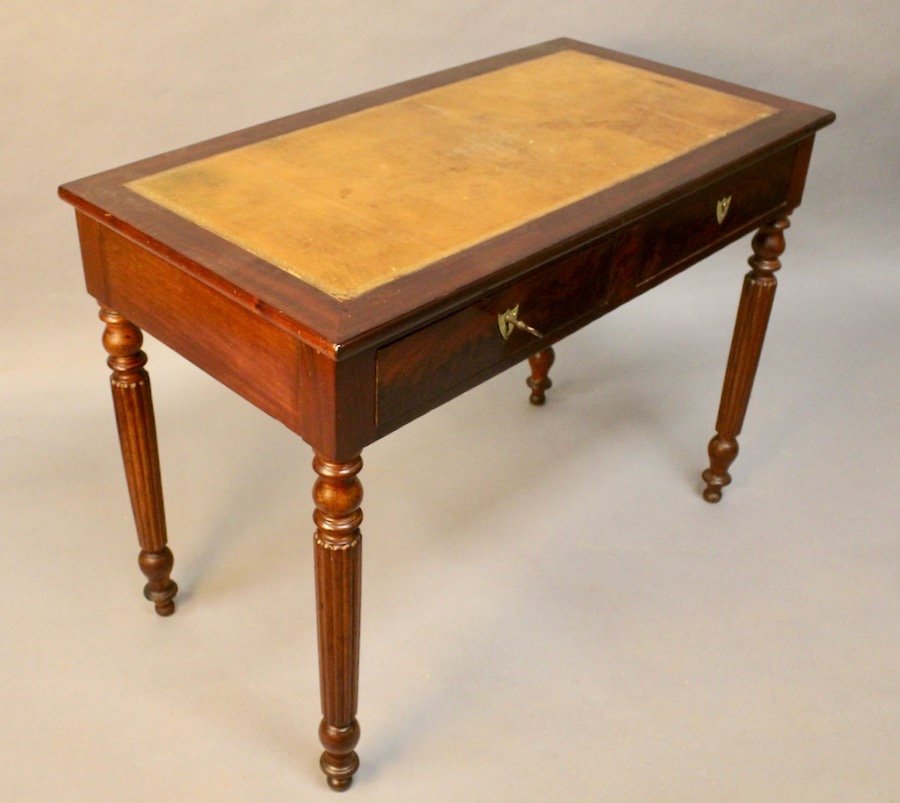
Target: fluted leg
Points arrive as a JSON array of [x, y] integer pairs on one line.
[[539, 381], [137, 437], [338, 560], [746, 345]]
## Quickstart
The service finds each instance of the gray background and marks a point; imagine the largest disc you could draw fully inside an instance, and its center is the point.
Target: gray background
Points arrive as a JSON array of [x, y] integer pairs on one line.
[[550, 610]]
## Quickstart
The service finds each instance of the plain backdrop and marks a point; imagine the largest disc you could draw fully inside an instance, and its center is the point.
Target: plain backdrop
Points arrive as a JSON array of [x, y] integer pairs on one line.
[[551, 612]]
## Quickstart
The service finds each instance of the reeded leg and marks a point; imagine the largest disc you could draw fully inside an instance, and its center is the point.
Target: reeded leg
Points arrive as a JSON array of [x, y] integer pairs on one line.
[[539, 381], [746, 345], [338, 560], [137, 437]]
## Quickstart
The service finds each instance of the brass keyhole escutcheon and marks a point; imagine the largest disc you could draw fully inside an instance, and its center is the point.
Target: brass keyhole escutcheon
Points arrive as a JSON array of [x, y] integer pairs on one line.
[[509, 321], [722, 208]]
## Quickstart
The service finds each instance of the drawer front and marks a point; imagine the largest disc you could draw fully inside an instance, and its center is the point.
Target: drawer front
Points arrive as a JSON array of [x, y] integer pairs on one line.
[[452, 352], [435, 363], [710, 216]]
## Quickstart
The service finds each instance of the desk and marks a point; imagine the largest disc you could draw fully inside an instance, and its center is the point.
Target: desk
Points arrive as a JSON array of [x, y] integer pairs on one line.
[[350, 268]]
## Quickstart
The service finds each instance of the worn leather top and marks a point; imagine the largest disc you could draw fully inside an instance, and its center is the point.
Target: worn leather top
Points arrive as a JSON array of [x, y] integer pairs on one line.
[[350, 204]]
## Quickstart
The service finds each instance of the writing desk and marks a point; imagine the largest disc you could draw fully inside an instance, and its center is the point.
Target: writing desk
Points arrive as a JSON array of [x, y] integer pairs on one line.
[[350, 268]]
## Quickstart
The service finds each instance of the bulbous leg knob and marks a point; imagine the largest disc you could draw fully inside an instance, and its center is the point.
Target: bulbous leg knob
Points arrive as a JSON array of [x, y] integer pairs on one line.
[[721, 455], [339, 761], [160, 589]]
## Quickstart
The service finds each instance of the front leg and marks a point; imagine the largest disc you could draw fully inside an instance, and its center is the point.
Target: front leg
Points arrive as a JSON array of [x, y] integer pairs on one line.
[[137, 437], [338, 561], [746, 346]]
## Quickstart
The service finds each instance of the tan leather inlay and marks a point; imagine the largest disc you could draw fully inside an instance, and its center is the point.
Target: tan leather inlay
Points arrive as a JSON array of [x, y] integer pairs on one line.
[[355, 202]]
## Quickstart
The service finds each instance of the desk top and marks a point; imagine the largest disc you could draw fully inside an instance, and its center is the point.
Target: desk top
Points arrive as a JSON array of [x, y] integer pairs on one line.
[[341, 221], [353, 203]]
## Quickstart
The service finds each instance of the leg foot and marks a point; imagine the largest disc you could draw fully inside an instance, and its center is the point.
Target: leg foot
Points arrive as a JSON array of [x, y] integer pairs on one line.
[[137, 437], [539, 381], [746, 346], [339, 762], [721, 455], [156, 567], [338, 561]]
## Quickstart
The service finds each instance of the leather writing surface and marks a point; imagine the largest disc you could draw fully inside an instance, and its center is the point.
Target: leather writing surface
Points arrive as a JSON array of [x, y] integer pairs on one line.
[[352, 203]]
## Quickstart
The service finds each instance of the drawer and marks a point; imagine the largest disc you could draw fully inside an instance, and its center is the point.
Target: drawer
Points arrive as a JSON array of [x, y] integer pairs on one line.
[[692, 225], [454, 353], [441, 360]]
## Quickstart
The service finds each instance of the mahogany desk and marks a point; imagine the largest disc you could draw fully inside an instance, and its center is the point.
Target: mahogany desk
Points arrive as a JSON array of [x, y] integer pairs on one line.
[[350, 268]]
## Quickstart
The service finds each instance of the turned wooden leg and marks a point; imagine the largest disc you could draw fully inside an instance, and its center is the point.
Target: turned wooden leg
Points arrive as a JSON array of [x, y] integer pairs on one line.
[[137, 437], [338, 560], [746, 345], [539, 381]]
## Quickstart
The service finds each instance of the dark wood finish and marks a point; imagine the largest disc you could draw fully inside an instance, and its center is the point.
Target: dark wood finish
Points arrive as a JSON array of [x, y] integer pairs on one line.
[[338, 560], [137, 436], [540, 381], [746, 346], [343, 373], [440, 359], [689, 225], [273, 370]]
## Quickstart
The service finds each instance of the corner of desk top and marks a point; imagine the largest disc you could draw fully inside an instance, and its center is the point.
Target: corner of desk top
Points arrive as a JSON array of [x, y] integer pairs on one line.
[[73, 193], [64, 191], [828, 117]]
